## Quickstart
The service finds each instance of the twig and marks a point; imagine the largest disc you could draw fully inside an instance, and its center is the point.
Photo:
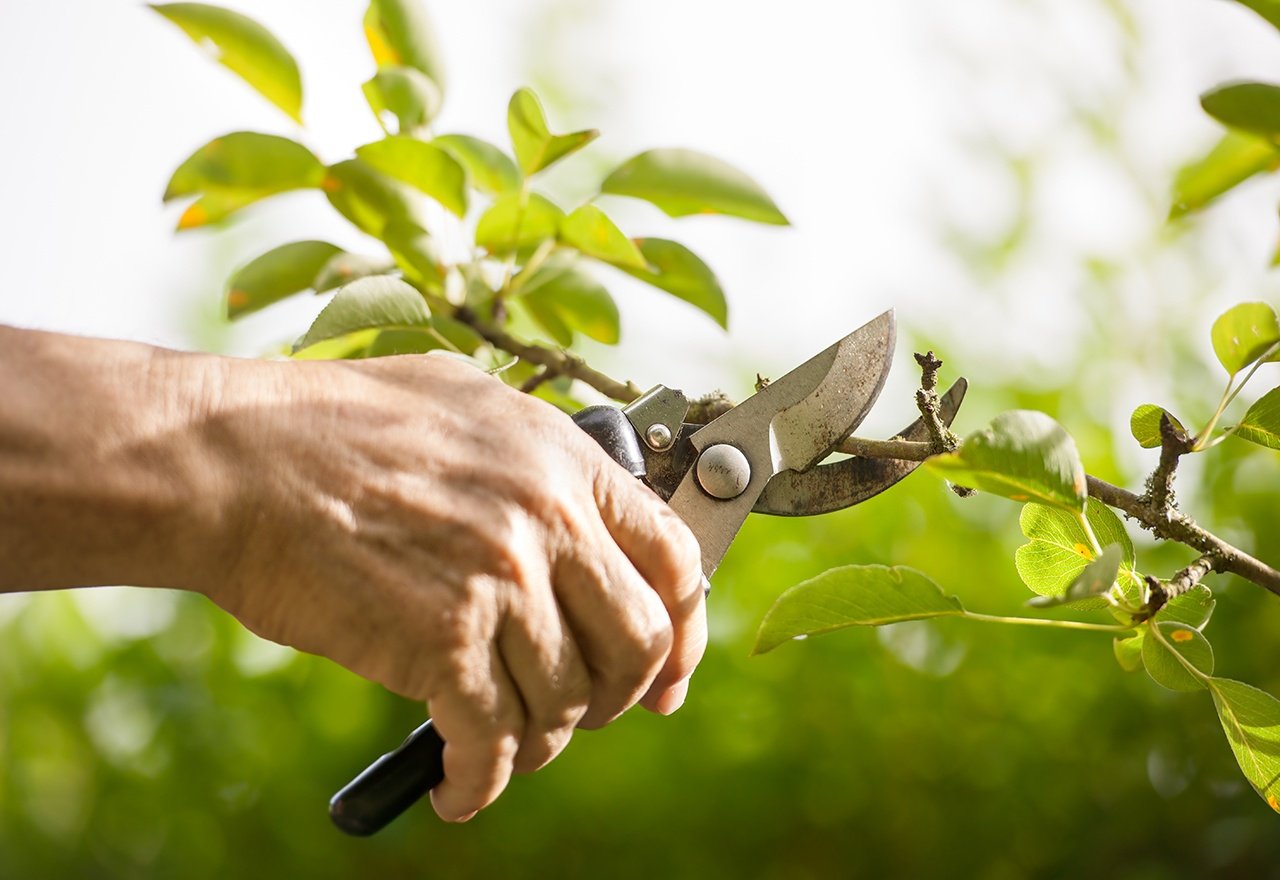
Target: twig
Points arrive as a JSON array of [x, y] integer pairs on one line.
[[1174, 444], [929, 405], [562, 362], [546, 374]]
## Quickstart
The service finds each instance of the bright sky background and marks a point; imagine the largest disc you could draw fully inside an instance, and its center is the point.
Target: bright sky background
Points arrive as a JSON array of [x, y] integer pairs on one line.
[[874, 125]]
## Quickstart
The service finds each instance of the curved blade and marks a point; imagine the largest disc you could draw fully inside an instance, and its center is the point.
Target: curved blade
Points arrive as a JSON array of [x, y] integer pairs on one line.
[[852, 480], [791, 424]]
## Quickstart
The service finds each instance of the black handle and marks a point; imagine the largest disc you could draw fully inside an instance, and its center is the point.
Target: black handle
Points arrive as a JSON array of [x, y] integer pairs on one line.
[[391, 784]]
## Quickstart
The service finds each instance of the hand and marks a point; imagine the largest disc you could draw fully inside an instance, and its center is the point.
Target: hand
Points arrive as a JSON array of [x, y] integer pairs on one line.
[[433, 530]]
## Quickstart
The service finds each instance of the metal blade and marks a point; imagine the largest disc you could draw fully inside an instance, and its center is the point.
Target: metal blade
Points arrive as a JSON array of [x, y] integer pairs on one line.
[[850, 481], [791, 424]]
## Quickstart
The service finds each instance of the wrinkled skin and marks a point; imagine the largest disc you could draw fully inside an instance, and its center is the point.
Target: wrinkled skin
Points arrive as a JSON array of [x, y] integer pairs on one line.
[[411, 518]]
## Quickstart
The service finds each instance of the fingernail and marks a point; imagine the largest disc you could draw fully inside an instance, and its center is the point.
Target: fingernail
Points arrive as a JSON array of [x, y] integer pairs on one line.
[[706, 587], [673, 698], [468, 817]]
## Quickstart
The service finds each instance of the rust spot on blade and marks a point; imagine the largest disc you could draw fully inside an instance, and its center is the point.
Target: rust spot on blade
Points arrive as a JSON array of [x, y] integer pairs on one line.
[[382, 51], [1273, 802], [330, 184], [237, 299], [1181, 635], [1084, 551]]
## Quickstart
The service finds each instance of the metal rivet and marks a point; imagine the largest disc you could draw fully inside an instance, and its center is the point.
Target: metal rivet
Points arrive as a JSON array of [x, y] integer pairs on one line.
[[723, 471], [658, 436]]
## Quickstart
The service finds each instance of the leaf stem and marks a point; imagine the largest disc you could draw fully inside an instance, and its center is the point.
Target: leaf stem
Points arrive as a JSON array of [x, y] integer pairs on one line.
[[1057, 624]]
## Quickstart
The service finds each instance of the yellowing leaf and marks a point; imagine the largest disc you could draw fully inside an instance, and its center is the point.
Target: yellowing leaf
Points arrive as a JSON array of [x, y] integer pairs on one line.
[[1058, 550], [400, 34], [240, 44]]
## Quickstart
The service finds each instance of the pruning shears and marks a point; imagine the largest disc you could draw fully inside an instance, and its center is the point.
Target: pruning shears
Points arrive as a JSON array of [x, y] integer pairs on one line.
[[760, 456]]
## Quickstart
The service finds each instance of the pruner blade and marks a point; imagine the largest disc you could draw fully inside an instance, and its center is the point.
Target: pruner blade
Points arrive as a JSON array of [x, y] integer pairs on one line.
[[789, 425], [852, 480]]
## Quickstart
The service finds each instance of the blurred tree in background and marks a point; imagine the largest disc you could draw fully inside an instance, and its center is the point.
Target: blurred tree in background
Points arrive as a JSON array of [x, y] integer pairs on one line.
[[150, 735]]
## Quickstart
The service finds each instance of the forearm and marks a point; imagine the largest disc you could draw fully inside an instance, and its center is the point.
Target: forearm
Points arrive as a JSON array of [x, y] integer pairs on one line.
[[109, 469]]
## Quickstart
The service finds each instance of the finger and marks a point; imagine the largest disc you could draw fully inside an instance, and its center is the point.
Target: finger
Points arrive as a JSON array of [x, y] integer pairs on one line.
[[667, 556], [544, 662], [618, 622], [481, 720]]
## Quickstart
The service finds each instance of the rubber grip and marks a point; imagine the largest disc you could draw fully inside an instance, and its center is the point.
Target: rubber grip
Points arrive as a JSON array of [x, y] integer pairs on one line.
[[391, 784]]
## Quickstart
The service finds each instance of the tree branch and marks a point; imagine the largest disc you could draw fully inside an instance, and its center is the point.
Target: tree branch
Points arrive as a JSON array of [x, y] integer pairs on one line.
[[556, 361]]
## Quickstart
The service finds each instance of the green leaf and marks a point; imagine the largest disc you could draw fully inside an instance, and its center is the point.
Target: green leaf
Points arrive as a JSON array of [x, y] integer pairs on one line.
[[238, 169], [1233, 160], [415, 252], [242, 45], [1161, 657], [1243, 333], [1261, 424], [351, 346], [344, 268], [678, 270], [1268, 9], [1093, 580], [684, 182], [1251, 720], [488, 168], [853, 595], [281, 272], [536, 147], [421, 165], [1023, 455], [1144, 424], [368, 198], [589, 230], [1193, 608], [517, 221], [409, 95], [1128, 651], [379, 301], [400, 35], [1249, 106], [1058, 550], [389, 343], [564, 299]]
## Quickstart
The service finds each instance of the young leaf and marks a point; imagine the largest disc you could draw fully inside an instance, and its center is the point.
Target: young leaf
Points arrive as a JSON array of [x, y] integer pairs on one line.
[[1023, 455], [238, 169], [416, 253], [400, 35], [368, 198], [590, 231], [378, 302], [1261, 424], [489, 169], [677, 270], [406, 93], [1249, 106], [684, 182], [518, 222], [1193, 608], [1058, 550], [1128, 651], [421, 165], [853, 595], [344, 268], [1235, 158], [281, 272], [242, 45], [563, 299], [1243, 333], [1144, 424], [1161, 657], [351, 346], [536, 147], [1093, 580], [1251, 720]]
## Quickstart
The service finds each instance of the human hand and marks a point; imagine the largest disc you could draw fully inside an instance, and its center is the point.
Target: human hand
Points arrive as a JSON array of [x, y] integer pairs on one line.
[[433, 530]]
